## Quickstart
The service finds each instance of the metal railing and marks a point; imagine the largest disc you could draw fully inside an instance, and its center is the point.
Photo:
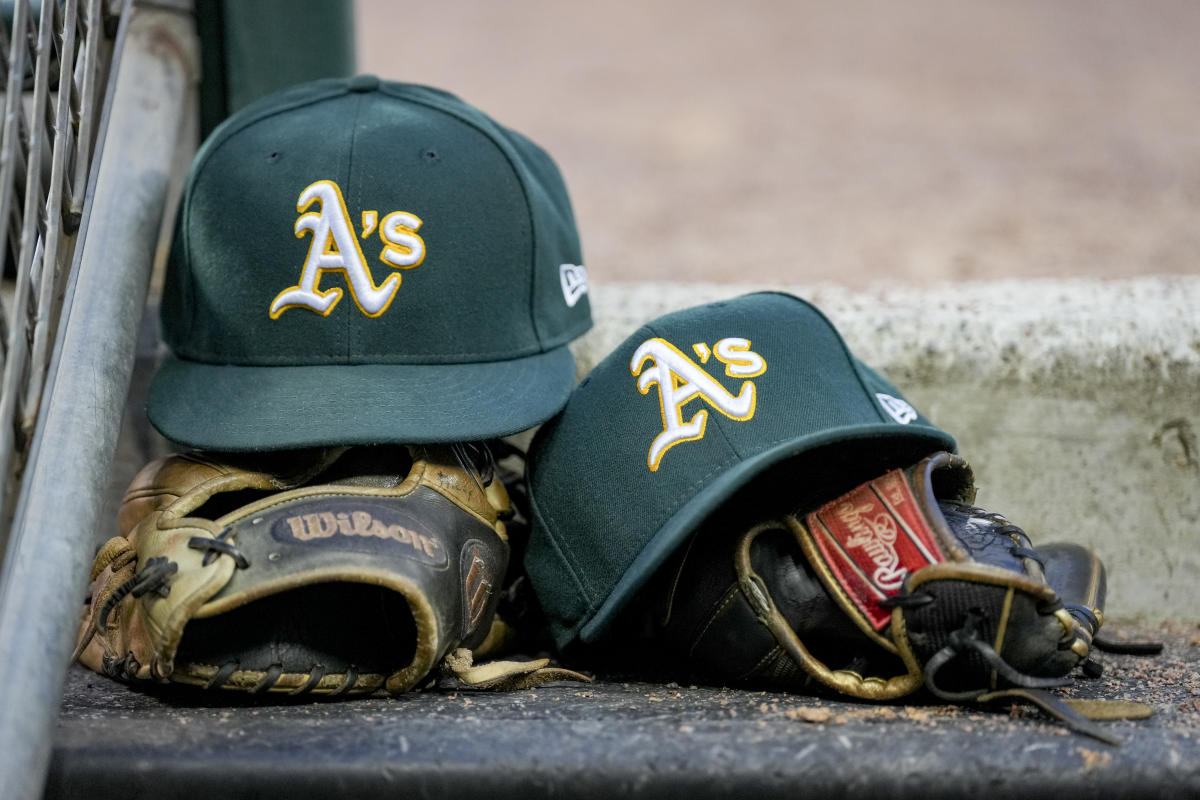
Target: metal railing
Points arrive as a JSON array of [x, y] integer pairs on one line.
[[52, 98], [99, 121]]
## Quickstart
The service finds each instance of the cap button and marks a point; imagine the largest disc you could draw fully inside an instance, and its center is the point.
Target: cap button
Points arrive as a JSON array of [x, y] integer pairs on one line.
[[363, 83]]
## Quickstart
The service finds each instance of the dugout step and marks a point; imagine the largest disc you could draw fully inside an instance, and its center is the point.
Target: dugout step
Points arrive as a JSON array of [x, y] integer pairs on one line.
[[625, 739]]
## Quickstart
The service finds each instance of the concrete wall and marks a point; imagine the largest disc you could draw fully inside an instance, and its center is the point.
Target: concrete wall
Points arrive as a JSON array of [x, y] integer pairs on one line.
[[1076, 401]]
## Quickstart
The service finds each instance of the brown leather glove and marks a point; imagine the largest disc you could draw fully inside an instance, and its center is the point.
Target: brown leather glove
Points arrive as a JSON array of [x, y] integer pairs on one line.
[[333, 571]]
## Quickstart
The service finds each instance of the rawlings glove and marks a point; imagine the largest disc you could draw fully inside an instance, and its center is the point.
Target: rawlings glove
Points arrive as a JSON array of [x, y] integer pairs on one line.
[[896, 585], [328, 571]]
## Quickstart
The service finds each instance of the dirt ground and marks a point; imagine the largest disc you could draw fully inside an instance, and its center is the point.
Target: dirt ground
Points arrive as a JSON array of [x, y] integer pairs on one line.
[[852, 142]]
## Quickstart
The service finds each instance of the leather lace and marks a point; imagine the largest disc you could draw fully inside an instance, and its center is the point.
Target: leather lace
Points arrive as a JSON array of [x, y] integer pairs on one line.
[[219, 546], [966, 639], [152, 578], [274, 673]]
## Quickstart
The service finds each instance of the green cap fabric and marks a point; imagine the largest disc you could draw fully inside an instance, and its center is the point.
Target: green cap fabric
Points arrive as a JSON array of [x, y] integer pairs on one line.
[[685, 412], [359, 262]]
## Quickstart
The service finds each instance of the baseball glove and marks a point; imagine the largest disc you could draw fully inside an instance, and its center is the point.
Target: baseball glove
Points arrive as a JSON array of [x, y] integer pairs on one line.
[[332, 572], [898, 585]]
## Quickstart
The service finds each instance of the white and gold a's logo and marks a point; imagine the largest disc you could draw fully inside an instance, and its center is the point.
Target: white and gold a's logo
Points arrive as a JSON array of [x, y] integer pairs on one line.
[[680, 379], [335, 248]]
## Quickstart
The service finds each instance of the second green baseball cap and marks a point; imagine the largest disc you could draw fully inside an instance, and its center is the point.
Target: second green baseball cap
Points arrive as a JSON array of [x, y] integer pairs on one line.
[[358, 262], [686, 412]]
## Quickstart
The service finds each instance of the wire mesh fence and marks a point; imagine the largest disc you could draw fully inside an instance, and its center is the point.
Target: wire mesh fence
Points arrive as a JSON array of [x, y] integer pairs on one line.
[[56, 57]]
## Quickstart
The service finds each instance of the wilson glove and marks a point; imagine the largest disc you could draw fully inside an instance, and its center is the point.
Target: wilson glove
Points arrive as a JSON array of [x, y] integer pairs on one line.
[[334, 571]]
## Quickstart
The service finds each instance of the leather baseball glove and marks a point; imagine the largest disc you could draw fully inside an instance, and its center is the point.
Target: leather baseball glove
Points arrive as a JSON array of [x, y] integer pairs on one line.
[[333, 571], [895, 586]]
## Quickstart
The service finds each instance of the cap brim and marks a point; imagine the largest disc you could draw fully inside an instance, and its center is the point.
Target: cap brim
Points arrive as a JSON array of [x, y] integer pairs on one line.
[[243, 408], [882, 443]]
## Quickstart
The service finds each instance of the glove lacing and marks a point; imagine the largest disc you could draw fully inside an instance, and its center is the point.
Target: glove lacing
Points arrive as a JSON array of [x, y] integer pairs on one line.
[[155, 576], [1026, 688], [316, 673], [219, 546], [966, 639]]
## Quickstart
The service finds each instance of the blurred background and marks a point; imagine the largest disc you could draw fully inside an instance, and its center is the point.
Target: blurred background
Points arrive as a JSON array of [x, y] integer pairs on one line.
[[857, 142]]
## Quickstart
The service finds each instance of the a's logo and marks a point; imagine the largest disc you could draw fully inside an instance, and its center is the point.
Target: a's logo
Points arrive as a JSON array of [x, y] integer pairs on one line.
[[573, 278], [334, 247], [679, 380], [899, 410]]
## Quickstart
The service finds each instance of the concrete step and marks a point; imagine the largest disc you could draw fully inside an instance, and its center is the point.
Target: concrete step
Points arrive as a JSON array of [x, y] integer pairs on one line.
[[617, 738]]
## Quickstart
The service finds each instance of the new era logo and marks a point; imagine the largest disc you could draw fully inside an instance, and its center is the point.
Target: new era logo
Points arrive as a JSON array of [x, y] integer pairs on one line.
[[898, 409], [573, 278]]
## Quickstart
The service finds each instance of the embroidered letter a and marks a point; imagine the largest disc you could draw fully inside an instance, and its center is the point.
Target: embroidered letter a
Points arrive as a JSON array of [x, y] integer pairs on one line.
[[679, 380], [333, 247]]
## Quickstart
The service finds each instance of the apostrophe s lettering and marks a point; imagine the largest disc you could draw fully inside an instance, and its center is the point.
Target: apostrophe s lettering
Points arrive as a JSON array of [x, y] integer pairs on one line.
[[335, 248]]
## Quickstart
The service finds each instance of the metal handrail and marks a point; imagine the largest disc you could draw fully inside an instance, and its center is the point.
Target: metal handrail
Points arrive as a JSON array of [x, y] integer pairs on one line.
[[69, 426]]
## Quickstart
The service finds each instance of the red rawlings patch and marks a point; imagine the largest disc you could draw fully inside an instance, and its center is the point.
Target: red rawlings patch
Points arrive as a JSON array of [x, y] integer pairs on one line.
[[871, 539]]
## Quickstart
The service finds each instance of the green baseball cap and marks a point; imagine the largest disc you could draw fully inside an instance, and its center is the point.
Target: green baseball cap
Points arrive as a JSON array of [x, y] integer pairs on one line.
[[357, 262], [684, 414]]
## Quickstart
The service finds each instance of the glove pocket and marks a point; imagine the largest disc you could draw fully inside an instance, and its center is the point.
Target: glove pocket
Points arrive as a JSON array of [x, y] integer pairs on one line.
[[343, 592]]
